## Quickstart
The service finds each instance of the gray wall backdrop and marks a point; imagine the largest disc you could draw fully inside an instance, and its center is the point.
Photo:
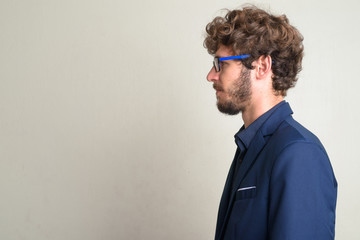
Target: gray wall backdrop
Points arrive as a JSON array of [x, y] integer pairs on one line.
[[109, 130]]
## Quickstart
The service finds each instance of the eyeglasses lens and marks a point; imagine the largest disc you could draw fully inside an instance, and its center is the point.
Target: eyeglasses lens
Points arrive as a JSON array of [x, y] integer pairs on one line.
[[216, 64]]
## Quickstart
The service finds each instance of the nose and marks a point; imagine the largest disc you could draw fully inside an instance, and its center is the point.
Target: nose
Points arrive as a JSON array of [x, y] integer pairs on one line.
[[212, 75]]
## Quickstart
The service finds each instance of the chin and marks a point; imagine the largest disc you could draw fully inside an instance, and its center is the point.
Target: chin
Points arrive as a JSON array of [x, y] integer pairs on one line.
[[228, 108]]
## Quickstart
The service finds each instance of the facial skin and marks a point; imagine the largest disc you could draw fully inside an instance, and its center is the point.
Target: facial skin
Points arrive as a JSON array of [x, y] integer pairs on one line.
[[232, 84]]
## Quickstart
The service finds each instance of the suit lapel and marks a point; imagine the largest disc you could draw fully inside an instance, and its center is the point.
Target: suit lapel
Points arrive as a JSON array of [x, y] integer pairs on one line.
[[254, 149], [248, 161], [258, 142], [225, 198]]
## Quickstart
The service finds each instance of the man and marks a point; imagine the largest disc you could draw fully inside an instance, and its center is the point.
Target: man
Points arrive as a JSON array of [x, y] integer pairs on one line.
[[281, 184]]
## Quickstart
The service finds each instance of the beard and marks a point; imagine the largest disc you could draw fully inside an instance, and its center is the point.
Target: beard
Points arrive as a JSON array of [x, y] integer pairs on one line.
[[238, 94]]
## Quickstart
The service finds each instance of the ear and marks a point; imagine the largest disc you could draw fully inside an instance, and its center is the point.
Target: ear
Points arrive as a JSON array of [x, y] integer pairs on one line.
[[263, 67]]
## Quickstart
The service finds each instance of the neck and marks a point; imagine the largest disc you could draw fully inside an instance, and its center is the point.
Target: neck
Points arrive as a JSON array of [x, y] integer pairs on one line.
[[257, 108]]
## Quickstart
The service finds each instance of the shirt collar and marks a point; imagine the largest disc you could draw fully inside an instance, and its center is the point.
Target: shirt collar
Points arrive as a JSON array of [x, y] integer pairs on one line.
[[244, 136]]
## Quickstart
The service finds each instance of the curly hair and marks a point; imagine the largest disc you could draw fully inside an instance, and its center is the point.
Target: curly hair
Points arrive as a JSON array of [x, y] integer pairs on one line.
[[258, 33]]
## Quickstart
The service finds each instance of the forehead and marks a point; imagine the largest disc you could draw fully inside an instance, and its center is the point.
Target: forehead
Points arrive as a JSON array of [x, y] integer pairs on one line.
[[224, 51]]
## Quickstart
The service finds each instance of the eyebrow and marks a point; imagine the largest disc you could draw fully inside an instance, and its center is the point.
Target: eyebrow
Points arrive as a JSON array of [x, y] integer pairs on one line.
[[219, 56]]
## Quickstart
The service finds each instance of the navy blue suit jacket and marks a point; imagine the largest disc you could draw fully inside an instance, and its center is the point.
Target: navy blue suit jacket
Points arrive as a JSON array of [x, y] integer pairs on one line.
[[285, 187]]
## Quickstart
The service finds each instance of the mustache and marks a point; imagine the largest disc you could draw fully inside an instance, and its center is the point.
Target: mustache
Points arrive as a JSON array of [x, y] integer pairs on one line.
[[218, 87]]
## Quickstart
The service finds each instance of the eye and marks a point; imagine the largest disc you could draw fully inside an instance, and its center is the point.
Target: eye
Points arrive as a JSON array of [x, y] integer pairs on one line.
[[222, 64]]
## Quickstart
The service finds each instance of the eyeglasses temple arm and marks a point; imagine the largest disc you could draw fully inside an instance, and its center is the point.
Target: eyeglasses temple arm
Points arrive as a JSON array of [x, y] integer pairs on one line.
[[234, 57]]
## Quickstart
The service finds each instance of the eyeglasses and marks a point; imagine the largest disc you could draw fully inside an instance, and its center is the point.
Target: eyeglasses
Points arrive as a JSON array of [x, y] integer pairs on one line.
[[217, 60]]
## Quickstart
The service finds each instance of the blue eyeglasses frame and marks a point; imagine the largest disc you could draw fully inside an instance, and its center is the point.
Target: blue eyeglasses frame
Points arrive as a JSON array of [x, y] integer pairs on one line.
[[217, 60]]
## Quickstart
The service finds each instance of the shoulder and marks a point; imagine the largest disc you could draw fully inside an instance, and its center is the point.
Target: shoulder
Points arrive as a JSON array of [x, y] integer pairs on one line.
[[294, 146], [292, 135], [295, 150]]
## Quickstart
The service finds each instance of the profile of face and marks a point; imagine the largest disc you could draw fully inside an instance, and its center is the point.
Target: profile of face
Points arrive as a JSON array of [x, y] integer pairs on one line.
[[232, 83]]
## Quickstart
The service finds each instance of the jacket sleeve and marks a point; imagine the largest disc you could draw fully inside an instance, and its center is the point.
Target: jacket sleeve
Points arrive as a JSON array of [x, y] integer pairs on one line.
[[303, 193]]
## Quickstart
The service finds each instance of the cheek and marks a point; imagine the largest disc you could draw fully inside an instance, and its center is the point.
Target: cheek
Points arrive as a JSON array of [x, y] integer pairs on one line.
[[227, 80]]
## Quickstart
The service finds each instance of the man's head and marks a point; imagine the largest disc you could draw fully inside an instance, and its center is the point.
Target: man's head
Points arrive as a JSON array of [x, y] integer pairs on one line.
[[252, 31]]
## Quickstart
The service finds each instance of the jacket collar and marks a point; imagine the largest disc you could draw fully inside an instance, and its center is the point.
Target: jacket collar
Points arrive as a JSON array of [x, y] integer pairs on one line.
[[244, 136]]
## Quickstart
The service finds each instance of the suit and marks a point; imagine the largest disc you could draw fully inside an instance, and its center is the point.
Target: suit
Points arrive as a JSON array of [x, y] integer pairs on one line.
[[285, 187]]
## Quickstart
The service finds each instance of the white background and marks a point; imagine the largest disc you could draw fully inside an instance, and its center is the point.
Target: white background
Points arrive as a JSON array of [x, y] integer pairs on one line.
[[109, 129]]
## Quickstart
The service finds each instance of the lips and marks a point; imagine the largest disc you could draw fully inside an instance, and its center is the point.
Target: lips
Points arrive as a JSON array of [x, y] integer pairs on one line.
[[218, 88]]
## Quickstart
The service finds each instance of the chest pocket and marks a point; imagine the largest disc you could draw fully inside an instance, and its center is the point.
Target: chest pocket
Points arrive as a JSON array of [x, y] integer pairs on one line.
[[245, 193]]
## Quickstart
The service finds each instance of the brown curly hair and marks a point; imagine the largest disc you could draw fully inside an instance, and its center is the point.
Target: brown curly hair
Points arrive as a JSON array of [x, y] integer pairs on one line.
[[258, 33]]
